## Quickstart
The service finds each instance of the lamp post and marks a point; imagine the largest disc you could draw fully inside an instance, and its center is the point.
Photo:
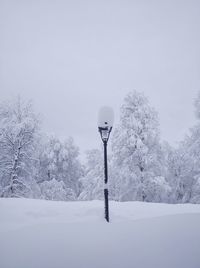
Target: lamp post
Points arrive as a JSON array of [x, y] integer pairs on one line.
[[105, 124]]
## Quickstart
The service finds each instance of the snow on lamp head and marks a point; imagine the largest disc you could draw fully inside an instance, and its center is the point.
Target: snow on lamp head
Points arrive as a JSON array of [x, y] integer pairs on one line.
[[105, 122]]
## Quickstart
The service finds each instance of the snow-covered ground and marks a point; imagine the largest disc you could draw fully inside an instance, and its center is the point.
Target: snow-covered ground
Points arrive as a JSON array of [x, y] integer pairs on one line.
[[49, 234]]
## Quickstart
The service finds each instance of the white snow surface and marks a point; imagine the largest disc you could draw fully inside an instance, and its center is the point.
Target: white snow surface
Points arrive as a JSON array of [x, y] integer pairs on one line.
[[105, 117], [55, 234]]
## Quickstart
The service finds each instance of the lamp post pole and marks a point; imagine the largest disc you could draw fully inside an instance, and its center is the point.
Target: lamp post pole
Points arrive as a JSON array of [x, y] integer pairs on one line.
[[105, 133], [106, 182], [105, 123]]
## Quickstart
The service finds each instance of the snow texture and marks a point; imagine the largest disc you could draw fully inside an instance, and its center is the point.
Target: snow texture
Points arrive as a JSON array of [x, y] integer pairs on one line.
[[49, 234], [105, 117]]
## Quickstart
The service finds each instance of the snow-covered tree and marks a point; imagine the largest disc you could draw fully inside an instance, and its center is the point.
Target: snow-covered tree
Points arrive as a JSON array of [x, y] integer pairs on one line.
[[56, 190], [137, 152], [183, 165], [59, 160], [180, 173], [191, 146], [92, 182], [195, 196], [19, 132], [157, 190]]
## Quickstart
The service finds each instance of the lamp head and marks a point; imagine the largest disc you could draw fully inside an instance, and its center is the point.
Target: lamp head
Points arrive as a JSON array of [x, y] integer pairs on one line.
[[105, 122]]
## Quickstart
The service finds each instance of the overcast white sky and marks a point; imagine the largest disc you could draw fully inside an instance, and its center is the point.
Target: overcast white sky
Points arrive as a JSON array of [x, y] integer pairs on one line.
[[71, 57]]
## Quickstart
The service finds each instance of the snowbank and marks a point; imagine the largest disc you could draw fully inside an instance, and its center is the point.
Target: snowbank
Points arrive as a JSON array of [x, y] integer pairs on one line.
[[38, 233]]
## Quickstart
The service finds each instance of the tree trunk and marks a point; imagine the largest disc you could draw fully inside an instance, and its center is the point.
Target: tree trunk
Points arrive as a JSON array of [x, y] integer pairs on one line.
[[14, 169]]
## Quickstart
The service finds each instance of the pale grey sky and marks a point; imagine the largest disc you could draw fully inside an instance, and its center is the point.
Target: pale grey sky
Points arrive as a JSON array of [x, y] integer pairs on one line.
[[71, 57]]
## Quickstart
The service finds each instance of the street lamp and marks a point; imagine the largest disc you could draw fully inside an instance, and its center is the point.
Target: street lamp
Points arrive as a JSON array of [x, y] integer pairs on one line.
[[105, 124]]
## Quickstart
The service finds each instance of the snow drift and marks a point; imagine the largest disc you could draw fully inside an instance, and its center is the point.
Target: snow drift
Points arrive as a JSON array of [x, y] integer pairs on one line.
[[38, 233]]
